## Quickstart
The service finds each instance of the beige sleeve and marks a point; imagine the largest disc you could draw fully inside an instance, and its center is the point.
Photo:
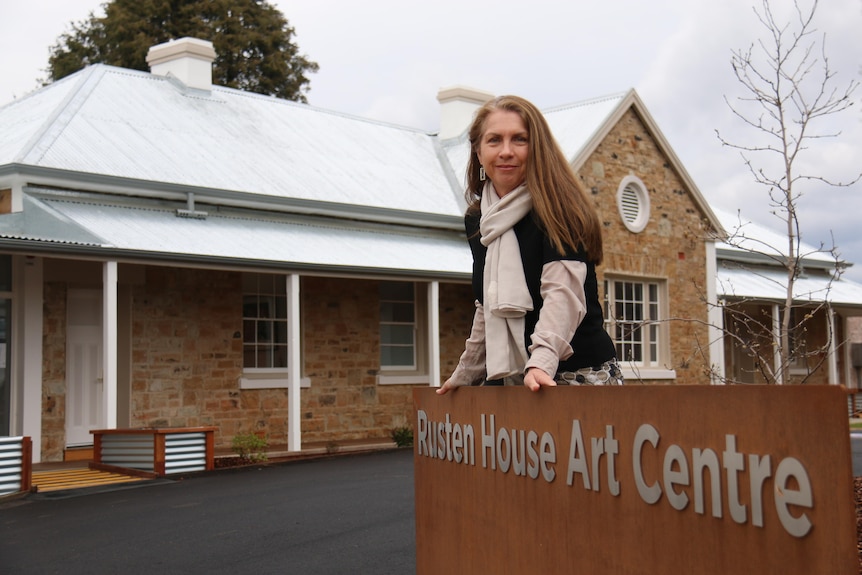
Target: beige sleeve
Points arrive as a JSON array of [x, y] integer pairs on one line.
[[471, 366], [563, 309]]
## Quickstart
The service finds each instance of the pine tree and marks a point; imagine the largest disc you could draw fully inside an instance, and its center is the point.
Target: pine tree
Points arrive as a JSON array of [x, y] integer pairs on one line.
[[252, 40]]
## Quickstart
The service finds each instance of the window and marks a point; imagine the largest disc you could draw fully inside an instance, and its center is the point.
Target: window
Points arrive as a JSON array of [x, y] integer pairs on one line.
[[397, 325], [403, 333], [633, 203], [264, 322], [634, 312]]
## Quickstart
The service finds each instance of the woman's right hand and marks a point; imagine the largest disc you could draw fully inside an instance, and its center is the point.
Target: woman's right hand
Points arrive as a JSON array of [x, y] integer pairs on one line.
[[536, 379]]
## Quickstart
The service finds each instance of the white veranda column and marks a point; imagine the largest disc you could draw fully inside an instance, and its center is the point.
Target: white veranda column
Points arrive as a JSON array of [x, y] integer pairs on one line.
[[28, 323], [434, 333], [294, 432], [776, 344], [109, 338], [715, 317], [833, 352]]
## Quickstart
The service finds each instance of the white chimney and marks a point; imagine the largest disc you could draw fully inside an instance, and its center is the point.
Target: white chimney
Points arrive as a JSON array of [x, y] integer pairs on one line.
[[189, 60], [457, 106]]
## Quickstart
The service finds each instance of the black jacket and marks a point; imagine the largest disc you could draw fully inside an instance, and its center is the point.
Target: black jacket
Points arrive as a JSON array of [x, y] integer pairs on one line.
[[591, 344]]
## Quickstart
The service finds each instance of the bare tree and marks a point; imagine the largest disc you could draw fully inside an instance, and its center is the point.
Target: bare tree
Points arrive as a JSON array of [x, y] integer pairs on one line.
[[789, 89]]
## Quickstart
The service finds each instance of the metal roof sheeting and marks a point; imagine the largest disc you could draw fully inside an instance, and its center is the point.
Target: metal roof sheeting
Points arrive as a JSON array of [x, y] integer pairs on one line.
[[574, 125], [770, 284], [106, 128], [749, 267], [146, 228], [752, 241], [135, 125], [23, 121]]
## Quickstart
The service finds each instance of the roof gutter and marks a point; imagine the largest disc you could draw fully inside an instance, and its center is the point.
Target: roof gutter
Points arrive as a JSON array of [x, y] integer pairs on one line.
[[742, 256], [102, 253]]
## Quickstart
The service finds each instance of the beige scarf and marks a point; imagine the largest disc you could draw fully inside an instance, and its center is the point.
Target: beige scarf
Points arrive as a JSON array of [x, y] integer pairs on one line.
[[507, 299]]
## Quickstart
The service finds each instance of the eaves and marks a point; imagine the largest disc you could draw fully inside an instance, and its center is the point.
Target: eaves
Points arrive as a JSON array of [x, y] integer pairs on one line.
[[88, 182]]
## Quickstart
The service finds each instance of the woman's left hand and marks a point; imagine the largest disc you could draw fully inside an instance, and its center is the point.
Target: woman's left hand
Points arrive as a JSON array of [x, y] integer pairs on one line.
[[536, 379]]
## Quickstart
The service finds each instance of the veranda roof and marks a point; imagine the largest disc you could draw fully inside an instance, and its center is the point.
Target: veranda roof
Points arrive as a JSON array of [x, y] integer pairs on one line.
[[749, 267], [122, 228]]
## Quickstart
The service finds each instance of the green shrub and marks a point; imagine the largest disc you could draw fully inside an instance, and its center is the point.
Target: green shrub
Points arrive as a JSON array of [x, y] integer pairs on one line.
[[250, 447], [402, 436]]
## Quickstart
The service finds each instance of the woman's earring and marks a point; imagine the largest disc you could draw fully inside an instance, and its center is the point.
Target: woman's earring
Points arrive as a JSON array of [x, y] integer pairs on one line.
[[481, 173]]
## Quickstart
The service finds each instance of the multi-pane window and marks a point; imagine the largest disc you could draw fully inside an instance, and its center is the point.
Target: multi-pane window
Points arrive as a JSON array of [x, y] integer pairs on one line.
[[264, 321], [397, 325], [633, 315]]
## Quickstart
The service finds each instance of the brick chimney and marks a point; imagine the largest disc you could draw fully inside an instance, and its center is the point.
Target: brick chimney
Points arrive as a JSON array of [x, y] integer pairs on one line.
[[457, 106], [189, 60]]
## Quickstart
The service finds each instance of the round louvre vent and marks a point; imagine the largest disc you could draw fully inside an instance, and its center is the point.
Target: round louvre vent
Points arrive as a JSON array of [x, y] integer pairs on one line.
[[633, 203]]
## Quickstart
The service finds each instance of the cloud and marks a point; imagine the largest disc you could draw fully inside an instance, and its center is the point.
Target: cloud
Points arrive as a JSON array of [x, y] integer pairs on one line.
[[685, 90], [386, 60]]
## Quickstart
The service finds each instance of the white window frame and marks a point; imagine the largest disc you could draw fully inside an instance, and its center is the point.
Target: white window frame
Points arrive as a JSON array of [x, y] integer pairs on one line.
[[649, 309], [418, 373], [268, 377]]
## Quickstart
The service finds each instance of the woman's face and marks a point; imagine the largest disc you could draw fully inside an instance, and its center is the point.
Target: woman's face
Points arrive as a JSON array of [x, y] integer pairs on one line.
[[503, 150]]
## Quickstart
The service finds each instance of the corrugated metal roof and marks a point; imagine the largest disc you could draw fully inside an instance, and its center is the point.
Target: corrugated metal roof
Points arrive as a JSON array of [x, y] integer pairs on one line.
[[575, 124], [768, 284], [135, 125], [23, 121], [131, 126], [753, 241], [761, 276], [38, 222], [147, 228]]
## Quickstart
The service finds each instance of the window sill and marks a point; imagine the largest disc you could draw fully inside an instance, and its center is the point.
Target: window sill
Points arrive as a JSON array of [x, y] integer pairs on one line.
[[385, 379], [270, 382], [646, 373]]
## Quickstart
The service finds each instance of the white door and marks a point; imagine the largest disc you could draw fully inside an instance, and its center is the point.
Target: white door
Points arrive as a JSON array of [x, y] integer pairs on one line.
[[84, 386]]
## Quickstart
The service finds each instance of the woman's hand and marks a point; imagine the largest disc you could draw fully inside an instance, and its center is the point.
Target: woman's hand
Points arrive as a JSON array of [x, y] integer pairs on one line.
[[536, 379], [447, 385]]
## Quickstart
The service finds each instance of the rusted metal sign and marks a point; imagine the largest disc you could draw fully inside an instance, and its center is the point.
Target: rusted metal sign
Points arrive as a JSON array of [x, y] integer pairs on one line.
[[635, 479]]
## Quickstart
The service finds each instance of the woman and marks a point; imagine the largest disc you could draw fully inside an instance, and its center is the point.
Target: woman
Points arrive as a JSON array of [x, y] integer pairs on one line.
[[536, 241]]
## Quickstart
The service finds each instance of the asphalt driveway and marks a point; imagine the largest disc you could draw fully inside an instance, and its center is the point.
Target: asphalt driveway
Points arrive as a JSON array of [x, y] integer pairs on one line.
[[348, 514]]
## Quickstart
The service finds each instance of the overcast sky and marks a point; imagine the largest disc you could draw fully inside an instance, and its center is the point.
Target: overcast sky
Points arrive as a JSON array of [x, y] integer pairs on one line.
[[387, 59]]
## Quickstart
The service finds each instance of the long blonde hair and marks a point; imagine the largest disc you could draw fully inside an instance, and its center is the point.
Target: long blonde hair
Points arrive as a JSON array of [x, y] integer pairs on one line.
[[559, 201]]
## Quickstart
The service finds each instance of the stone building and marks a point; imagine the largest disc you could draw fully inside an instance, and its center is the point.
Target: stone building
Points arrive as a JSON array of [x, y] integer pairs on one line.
[[178, 254]]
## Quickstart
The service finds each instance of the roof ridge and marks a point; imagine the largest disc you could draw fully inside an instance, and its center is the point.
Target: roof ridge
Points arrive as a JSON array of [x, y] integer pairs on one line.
[[588, 102], [327, 111], [57, 120], [255, 95]]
